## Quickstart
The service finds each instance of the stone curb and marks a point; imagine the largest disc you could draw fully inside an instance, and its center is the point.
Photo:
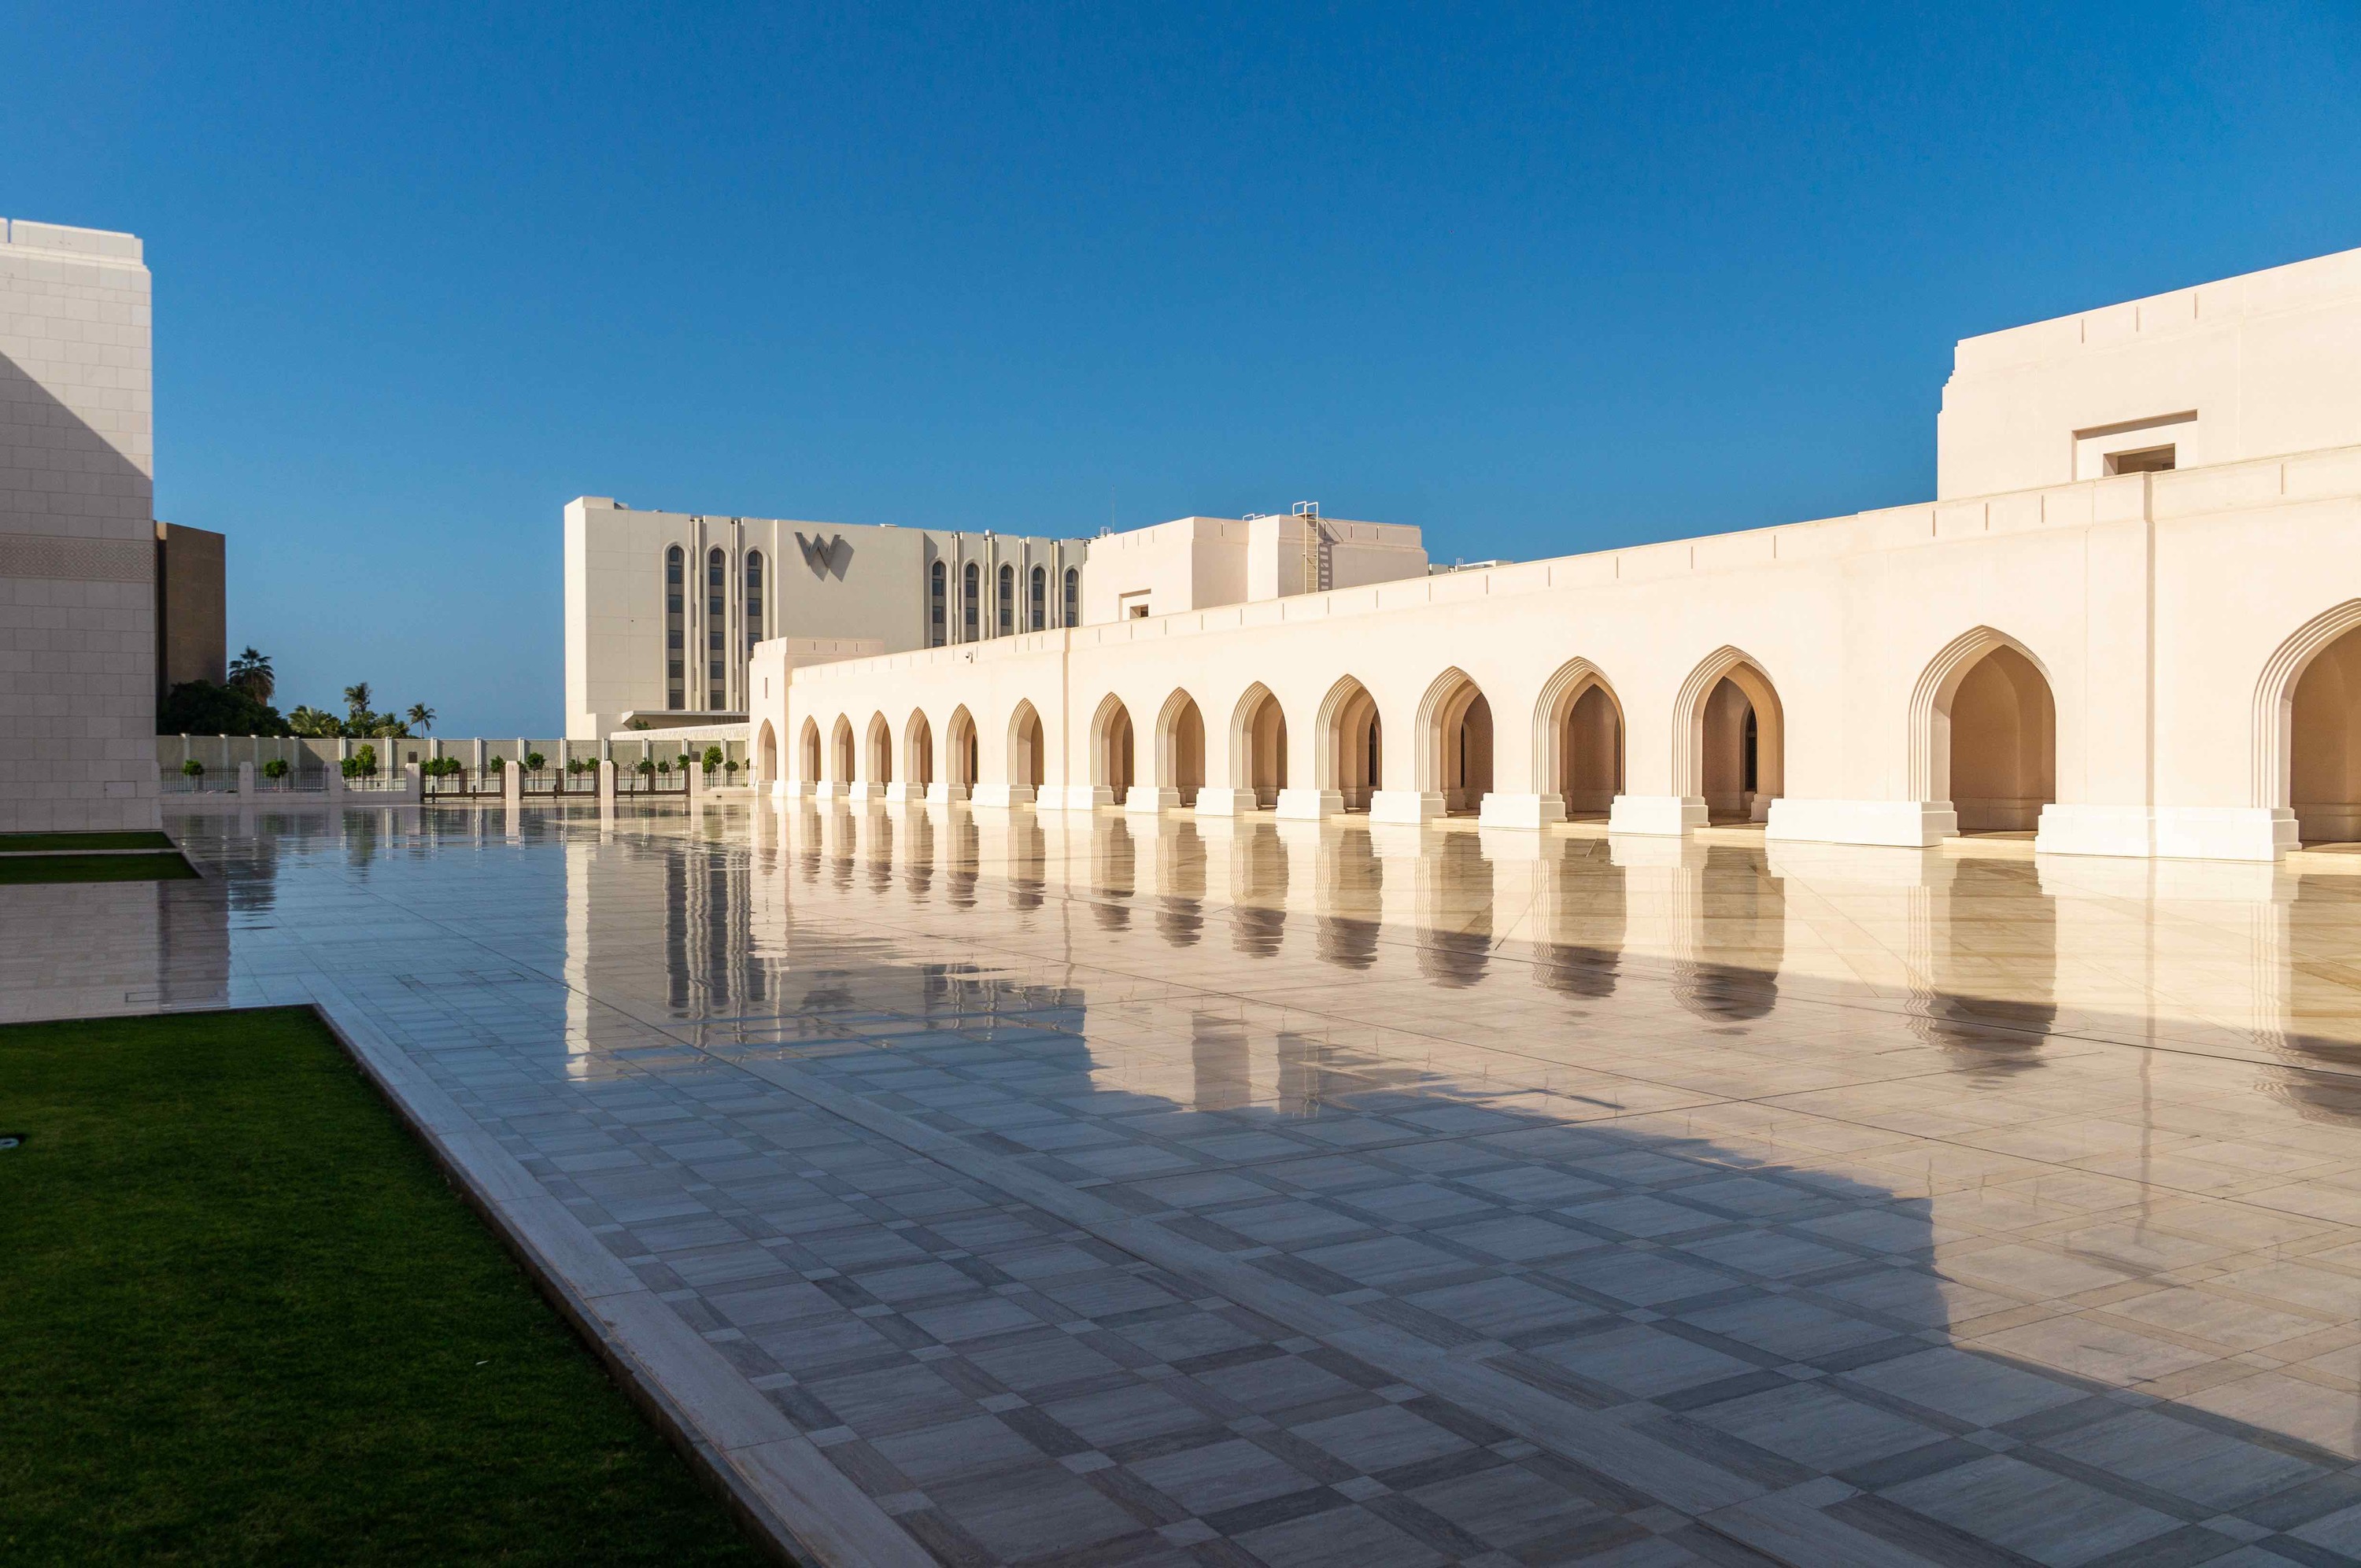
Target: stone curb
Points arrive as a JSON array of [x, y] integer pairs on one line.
[[798, 1504]]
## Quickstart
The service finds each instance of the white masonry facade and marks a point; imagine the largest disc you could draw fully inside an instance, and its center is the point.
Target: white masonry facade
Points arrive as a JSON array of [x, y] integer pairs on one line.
[[78, 539], [2128, 624]]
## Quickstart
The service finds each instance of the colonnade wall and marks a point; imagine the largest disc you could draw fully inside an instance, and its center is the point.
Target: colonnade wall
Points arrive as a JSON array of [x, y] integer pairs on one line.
[[1808, 676]]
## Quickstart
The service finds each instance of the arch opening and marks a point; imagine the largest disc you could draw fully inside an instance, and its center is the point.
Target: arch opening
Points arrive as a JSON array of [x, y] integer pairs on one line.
[[1027, 752], [918, 750], [1351, 754], [880, 760], [2000, 729], [1456, 748], [1259, 752], [807, 745], [840, 752], [1180, 746], [2324, 745], [1112, 760], [766, 754], [959, 757], [1734, 739]]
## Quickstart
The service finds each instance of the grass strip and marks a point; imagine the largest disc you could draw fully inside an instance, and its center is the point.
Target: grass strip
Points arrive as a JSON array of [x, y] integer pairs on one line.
[[165, 867], [142, 839], [245, 1320]]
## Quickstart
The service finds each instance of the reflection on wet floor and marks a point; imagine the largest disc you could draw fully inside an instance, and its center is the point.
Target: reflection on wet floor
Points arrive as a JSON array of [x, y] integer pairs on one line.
[[1107, 1188]]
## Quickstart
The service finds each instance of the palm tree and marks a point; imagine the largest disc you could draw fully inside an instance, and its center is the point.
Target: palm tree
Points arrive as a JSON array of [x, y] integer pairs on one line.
[[356, 698], [250, 673], [422, 716]]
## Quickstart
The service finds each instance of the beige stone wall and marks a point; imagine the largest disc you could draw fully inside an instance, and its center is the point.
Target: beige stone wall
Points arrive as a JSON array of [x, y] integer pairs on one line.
[[77, 532]]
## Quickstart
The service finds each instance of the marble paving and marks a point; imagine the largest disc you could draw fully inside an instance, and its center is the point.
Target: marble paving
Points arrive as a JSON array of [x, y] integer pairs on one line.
[[1097, 1190]]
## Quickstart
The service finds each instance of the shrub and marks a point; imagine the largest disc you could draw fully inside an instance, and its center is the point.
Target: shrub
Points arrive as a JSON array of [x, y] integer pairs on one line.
[[731, 767], [712, 758], [645, 766], [193, 769], [275, 769], [534, 760], [664, 768], [494, 764]]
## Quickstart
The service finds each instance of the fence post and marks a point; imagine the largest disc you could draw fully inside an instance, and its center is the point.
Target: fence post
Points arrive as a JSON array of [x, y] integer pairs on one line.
[[246, 778], [513, 786], [413, 784], [606, 785], [335, 773]]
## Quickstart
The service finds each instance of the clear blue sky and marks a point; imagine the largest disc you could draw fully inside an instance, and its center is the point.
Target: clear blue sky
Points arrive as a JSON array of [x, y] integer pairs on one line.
[[1538, 281]]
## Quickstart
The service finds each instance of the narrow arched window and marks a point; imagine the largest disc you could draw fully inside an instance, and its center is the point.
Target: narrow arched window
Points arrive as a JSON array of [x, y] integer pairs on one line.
[[1073, 595], [969, 590], [676, 629], [717, 588], [753, 600], [937, 610], [1041, 605], [1007, 611]]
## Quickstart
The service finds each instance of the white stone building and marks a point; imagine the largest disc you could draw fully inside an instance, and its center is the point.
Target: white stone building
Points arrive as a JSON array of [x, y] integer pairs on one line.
[[78, 535], [664, 609], [2130, 622]]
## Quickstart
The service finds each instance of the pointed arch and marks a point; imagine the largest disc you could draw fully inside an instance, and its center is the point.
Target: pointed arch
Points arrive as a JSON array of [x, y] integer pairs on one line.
[[2006, 688], [766, 754], [808, 752], [1347, 752], [959, 758], [1180, 746], [1112, 747], [1259, 746], [1027, 754], [1748, 754], [917, 749], [877, 760], [840, 757], [1578, 739], [1453, 738], [2272, 784]]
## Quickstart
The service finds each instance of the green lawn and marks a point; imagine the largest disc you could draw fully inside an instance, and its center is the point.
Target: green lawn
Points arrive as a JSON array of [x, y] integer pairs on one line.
[[165, 867], [242, 1319], [13, 843]]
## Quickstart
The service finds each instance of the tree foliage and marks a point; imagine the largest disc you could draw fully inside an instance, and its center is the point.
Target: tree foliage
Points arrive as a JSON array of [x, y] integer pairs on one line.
[[201, 708]]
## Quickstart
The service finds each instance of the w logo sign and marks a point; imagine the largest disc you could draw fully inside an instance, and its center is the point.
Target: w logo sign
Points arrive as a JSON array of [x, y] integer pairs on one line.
[[826, 557]]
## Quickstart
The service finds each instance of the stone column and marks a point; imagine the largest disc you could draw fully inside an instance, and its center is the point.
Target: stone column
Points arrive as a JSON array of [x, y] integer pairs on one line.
[[607, 783], [244, 778], [513, 786]]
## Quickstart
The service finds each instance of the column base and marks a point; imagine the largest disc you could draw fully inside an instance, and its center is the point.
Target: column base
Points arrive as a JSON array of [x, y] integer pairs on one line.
[[1152, 798], [2168, 832], [1076, 796], [1003, 795], [792, 789], [860, 789], [831, 789], [941, 793], [1660, 816], [1534, 811], [1309, 805], [1406, 805], [1898, 824], [1224, 802], [900, 794]]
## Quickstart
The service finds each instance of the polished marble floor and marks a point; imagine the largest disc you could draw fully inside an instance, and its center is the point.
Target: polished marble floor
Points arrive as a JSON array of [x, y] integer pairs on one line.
[[1106, 1189]]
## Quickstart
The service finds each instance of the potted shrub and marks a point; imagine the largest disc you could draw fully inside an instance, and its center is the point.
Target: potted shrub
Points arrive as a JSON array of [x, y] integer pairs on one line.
[[712, 760]]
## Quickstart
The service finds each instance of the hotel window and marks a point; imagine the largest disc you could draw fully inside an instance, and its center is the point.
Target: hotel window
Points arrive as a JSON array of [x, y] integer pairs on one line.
[[970, 588], [675, 635], [1040, 607], [753, 600], [1007, 616], [717, 585], [1073, 595], [938, 611]]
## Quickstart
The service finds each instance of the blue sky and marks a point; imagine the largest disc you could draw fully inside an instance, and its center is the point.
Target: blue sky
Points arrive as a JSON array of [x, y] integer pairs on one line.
[[1537, 279]]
